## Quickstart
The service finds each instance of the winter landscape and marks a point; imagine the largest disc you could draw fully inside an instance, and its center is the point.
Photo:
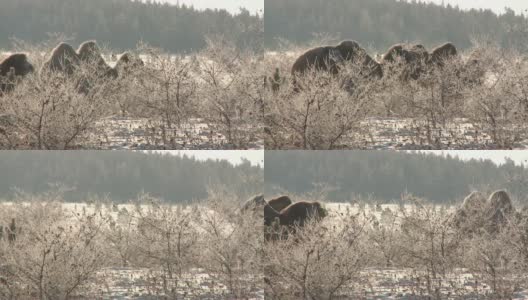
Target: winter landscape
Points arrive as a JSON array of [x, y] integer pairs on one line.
[[83, 86], [384, 242], [87, 241], [264, 149], [394, 75]]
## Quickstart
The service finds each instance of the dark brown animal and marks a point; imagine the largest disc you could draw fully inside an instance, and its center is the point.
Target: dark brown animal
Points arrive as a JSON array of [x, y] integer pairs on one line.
[[412, 60], [272, 230], [470, 214], [127, 62], [280, 203], [394, 52], [328, 58], [299, 213], [443, 53], [270, 215], [320, 58], [18, 62], [476, 213], [473, 202], [63, 59], [90, 53], [499, 209], [12, 67]]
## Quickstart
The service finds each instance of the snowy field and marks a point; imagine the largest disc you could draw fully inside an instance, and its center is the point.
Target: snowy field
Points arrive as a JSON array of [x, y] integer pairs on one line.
[[125, 282], [397, 283], [110, 131], [134, 283], [372, 283], [393, 283], [116, 133], [408, 134]]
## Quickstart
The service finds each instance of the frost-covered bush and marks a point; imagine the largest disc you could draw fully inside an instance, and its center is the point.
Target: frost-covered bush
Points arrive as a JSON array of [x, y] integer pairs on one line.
[[220, 86], [474, 100], [55, 254]]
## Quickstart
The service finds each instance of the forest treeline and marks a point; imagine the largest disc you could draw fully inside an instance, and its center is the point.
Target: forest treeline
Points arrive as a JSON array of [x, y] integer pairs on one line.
[[121, 24], [382, 23], [122, 175], [385, 175]]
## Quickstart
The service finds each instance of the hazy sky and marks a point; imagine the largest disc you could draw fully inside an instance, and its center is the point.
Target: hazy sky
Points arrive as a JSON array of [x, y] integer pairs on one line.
[[256, 157], [497, 156], [496, 5], [230, 5]]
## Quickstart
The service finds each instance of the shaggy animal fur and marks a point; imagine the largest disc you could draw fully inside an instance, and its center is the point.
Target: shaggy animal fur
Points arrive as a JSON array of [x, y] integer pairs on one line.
[[89, 52], [126, 64], [327, 58], [13, 66], [280, 203], [300, 212], [499, 209], [442, 53], [413, 59], [63, 59]]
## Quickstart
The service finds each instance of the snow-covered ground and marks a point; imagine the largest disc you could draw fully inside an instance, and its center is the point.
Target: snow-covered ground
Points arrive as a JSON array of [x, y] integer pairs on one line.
[[118, 133], [402, 134], [399, 283], [372, 283], [147, 283], [135, 283], [393, 283]]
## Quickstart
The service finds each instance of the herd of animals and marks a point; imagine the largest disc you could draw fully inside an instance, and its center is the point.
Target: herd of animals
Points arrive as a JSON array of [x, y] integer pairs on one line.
[[489, 214], [413, 60], [416, 59], [284, 212], [66, 60], [476, 212]]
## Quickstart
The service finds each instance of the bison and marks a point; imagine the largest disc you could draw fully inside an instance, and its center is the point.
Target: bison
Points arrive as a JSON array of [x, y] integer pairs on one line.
[[280, 203], [63, 59], [90, 53], [442, 53], [299, 213], [15, 65], [412, 59], [328, 58]]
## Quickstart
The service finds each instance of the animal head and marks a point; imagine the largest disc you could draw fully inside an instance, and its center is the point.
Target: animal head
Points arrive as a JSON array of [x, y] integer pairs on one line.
[[321, 211], [128, 62], [18, 62], [128, 59], [392, 54]]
